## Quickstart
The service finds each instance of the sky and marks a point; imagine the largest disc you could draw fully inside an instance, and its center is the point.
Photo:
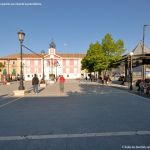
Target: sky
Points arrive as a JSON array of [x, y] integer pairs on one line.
[[72, 24]]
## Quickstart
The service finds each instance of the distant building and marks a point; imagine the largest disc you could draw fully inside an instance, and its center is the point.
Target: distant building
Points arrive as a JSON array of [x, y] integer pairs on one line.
[[55, 63], [140, 63]]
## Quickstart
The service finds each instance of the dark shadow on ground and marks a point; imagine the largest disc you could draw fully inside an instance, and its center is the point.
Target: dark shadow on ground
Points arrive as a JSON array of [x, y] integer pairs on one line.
[[91, 88], [3, 95], [86, 88], [95, 88], [41, 89], [31, 90]]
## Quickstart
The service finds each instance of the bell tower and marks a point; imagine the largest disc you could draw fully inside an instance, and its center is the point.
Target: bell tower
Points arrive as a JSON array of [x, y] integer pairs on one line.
[[52, 48]]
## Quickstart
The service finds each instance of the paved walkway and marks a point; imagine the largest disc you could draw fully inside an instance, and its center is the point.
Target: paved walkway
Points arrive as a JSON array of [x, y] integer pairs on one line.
[[98, 117], [52, 89]]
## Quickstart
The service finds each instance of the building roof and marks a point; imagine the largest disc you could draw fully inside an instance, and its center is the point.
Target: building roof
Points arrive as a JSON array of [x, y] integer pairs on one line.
[[138, 49], [16, 56], [52, 45], [63, 55]]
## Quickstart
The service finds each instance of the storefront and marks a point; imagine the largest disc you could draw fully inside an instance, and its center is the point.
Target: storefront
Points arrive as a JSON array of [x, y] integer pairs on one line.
[[138, 64]]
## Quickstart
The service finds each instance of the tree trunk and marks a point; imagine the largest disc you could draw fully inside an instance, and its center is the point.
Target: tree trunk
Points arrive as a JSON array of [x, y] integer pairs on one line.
[[99, 73], [105, 72]]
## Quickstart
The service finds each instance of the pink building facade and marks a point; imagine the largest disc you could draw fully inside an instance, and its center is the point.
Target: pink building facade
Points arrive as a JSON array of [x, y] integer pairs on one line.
[[68, 65]]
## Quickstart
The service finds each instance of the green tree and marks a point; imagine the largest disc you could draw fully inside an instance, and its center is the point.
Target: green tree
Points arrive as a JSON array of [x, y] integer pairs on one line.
[[1, 65], [101, 56], [90, 61], [4, 72], [14, 72], [113, 50]]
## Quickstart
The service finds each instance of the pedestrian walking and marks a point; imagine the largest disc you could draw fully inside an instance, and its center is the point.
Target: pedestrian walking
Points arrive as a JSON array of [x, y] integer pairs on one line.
[[35, 84], [142, 85], [86, 78], [4, 80], [61, 83], [108, 80]]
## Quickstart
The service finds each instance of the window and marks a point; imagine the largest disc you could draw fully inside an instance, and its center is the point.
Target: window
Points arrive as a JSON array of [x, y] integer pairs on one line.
[[36, 62], [28, 62], [75, 70], [75, 62], [67, 62], [67, 70], [28, 70]]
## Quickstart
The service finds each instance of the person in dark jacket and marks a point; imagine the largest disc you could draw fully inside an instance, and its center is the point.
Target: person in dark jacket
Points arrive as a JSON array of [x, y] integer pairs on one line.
[[35, 83]]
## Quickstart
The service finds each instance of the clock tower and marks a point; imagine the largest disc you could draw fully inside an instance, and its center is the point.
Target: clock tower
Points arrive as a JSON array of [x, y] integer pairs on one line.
[[52, 48]]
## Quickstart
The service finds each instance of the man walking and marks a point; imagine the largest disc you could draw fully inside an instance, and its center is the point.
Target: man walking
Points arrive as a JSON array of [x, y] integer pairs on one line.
[[35, 83]]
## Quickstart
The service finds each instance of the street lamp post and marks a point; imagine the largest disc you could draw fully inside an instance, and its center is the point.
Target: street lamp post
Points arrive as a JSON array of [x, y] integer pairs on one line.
[[144, 26], [21, 36], [56, 65], [8, 69], [43, 53], [56, 70], [51, 65], [131, 71]]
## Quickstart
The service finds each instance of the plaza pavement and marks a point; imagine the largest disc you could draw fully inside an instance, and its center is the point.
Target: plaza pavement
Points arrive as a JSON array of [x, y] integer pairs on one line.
[[87, 116], [52, 89]]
